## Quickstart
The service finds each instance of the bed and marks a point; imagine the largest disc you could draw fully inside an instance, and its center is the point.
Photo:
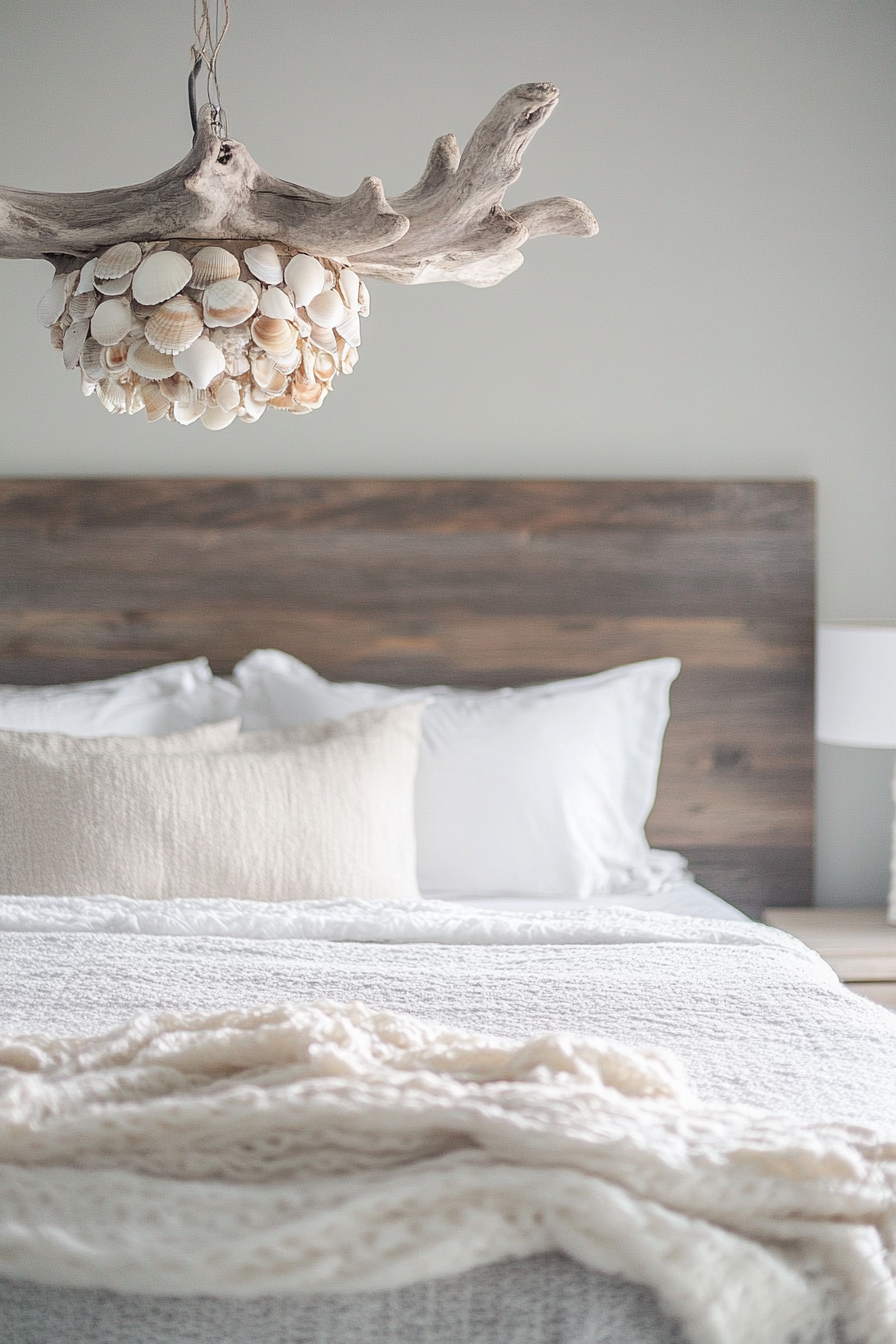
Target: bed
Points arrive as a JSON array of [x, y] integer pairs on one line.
[[476, 584]]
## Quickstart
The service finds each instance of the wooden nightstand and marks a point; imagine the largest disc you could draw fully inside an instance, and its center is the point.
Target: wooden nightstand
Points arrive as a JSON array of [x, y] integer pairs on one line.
[[859, 944]]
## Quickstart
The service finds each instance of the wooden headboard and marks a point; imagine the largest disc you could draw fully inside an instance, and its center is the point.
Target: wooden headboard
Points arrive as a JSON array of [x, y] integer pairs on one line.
[[475, 582]]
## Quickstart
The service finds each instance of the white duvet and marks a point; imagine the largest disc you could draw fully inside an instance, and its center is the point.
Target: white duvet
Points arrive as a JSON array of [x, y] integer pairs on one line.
[[341, 1146]]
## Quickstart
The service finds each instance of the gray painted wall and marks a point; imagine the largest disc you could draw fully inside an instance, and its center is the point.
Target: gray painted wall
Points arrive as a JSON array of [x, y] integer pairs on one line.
[[735, 317]]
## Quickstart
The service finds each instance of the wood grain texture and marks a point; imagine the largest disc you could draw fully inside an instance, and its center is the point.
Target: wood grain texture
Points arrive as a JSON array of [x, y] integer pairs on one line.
[[474, 582]]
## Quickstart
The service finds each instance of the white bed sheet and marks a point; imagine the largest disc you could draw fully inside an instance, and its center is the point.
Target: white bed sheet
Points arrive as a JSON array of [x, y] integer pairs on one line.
[[682, 897]]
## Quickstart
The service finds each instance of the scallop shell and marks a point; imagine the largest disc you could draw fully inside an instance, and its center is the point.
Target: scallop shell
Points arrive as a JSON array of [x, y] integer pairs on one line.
[[274, 335], [120, 259], [363, 300], [324, 366], [92, 360], [228, 303], [52, 305], [81, 306], [349, 286], [73, 343], [350, 329], [327, 310], [212, 264], [149, 362], [227, 395], [215, 417], [264, 263], [305, 277], [160, 276], [324, 338], [185, 412], [202, 362], [156, 402], [119, 285], [111, 322], [115, 359], [85, 279], [275, 303], [174, 325]]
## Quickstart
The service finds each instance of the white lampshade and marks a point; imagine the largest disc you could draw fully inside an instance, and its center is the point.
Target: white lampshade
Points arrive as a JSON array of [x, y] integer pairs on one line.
[[856, 685]]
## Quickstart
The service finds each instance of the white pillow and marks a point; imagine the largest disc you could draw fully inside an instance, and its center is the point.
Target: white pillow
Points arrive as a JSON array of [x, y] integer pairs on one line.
[[166, 699], [310, 813], [542, 791]]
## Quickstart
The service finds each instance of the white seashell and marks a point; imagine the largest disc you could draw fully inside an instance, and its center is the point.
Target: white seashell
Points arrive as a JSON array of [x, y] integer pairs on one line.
[[289, 362], [112, 395], [363, 300], [265, 373], [88, 386], [303, 324], [160, 276], [252, 409], [92, 360], [327, 310], [236, 365], [120, 259], [174, 325], [324, 338], [348, 357], [52, 305], [115, 359], [349, 285], [274, 303], [81, 306], [228, 303], [305, 277], [73, 343], [185, 412], [155, 401], [324, 366], [135, 401], [201, 362], [215, 417], [350, 329], [149, 362], [309, 394], [85, 279], [177, 388], [264, 263], [212, 264], [274, 335], [111, 322], [120, 285], [227, 395], [57, 335]]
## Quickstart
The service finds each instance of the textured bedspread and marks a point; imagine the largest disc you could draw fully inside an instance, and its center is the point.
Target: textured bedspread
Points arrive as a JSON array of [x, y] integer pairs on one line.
[[753, 1017]]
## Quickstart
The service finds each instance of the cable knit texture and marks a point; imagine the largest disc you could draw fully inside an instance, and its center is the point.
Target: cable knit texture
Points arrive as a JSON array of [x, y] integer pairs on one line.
[[320, 811], [331, 1147]]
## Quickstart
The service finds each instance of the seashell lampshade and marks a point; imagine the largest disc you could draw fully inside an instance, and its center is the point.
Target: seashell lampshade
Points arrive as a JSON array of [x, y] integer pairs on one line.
[[198, 333]]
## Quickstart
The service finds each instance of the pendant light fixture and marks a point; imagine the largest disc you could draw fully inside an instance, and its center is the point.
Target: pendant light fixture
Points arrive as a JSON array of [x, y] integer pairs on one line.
[[216, 291]]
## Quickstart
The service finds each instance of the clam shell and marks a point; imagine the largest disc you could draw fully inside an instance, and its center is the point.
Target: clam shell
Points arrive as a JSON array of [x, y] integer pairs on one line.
[[212, 264], [174, 325], [185, 412], [215, 417], [348, 357], [85, 279], [228, 303], [324, 366], [350, 329], [324, 338], [363, 300], [289, 362], [160, 276], [57, 335], [119, 285], [177, 388], [274, 335], [73, 343], [349, 286], [115, 359], [311, 395], [268, 377], [92, 360], [327, 310], [111, 322], [251, 409], [81, 306], [149, 362], [227, 394], [135, 401], [52, 305], [202, 362], [275, 303], [112, 395], [264, 263], [88, 385], [305, 277], [155, 401], [120, 259]]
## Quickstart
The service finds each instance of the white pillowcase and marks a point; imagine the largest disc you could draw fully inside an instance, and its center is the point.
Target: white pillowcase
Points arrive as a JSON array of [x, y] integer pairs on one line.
[[167, 699], [317, 812], [541, 791]]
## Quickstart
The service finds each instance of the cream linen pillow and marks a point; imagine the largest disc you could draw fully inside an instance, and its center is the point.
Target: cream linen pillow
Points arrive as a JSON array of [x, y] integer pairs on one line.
[[305, 813]]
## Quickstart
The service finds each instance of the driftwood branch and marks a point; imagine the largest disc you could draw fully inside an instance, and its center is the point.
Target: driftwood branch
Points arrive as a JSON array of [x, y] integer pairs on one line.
[[450, 226]]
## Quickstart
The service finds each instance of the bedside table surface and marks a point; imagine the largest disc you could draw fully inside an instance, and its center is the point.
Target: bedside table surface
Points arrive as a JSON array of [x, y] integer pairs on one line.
[[859, 944]]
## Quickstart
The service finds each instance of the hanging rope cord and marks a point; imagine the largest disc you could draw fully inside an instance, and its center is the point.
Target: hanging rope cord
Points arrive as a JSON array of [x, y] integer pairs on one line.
[[210, 33]]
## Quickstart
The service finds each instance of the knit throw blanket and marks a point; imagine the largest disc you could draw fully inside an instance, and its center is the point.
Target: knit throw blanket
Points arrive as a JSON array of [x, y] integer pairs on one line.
[[332, 1148]]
